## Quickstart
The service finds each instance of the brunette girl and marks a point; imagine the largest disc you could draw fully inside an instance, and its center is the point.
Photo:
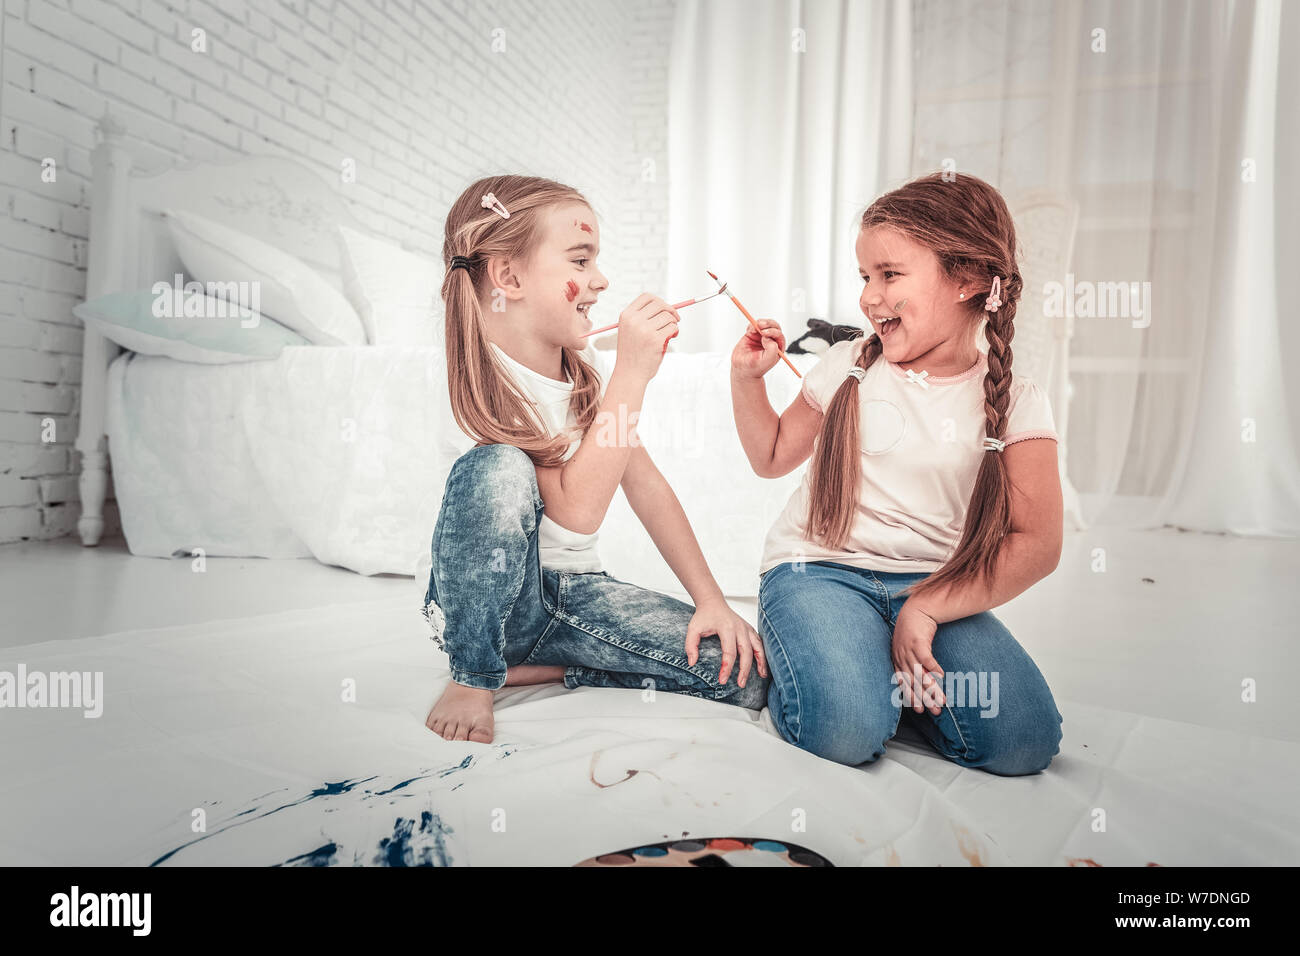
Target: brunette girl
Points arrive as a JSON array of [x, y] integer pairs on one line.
[[933, 496]]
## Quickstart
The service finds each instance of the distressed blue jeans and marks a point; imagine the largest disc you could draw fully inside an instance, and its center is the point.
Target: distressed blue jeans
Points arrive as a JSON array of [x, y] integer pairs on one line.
[[490, 605], [827, 629]]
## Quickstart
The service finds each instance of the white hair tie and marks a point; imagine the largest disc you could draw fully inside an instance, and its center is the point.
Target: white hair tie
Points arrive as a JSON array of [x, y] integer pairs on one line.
[[992, 444], [857, 373]]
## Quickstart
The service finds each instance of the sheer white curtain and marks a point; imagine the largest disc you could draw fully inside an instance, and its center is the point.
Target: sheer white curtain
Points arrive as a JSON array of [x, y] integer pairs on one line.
[[1240, 472], [1167, 122], [786, 119]]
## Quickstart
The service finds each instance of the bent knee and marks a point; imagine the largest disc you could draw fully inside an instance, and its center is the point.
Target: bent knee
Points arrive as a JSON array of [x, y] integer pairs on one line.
[[1028, 753], [495, 473], [850, 738], [496, 456]]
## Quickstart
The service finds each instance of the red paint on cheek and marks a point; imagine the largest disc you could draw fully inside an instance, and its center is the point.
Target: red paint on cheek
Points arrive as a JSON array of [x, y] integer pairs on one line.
[[570, 290]]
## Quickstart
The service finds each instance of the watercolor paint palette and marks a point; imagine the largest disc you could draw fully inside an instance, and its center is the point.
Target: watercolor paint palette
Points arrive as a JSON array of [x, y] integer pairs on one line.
[[719, 851]]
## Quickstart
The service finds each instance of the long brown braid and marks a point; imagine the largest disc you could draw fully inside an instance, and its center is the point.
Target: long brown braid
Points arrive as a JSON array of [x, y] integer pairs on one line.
[[967, 225]]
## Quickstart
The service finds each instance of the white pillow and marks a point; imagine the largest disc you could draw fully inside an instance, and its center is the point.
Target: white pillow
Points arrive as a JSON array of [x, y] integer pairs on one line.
[[149, 322], [398, 293], [290, 291]]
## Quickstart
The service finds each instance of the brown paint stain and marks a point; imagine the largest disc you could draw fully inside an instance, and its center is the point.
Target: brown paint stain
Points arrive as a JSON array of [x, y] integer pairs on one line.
[[970, 851], [1154, 864], [592, 773], [891, 858], [1082, 861]]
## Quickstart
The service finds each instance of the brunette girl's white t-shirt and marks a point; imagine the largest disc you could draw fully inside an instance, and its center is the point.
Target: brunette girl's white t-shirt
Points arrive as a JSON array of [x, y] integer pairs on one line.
[[922, 445], [558, 548]]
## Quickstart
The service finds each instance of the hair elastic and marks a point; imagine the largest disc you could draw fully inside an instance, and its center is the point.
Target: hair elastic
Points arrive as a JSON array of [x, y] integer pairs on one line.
[[857, 373], [490, 201], [460, 262], [992, 444]]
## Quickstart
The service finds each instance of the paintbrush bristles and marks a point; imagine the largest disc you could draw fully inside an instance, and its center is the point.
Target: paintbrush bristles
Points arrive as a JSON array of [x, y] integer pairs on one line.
[[753, 322]]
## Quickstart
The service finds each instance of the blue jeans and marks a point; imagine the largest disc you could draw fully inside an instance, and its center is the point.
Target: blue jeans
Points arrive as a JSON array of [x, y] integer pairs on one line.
[[490, 605], [828, 628]]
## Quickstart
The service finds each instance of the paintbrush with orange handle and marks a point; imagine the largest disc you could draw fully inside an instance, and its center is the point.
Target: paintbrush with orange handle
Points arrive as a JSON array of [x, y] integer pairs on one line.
[[723, 290]]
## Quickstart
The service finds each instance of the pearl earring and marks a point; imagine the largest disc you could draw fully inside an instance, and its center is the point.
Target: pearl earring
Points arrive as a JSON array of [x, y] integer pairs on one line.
[[962, 296]]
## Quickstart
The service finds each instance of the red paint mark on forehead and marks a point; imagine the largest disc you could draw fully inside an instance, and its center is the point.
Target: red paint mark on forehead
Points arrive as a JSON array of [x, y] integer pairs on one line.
[[583, 226], [570, 290]]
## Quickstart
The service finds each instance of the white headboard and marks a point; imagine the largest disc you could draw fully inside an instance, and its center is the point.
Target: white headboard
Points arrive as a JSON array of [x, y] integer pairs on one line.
[[275, 199], [281, 201]]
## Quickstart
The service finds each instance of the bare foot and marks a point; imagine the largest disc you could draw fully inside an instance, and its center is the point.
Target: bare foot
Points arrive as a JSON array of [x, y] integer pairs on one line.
[[533, 674], [462, 713], [465, 713]]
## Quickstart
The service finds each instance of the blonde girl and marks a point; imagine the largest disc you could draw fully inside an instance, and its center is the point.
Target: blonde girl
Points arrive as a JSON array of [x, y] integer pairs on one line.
[[516, 591]]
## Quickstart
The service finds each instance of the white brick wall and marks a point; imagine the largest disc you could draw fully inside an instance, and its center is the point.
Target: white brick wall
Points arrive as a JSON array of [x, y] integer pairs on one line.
[[410, 89]]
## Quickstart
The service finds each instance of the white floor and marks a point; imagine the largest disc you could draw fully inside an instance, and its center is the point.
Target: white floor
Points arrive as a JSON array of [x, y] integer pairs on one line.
[[227, 697], [1171, 628]]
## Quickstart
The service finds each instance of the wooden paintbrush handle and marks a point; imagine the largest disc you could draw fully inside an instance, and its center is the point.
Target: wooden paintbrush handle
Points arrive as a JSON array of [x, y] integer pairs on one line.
[[757, 328]]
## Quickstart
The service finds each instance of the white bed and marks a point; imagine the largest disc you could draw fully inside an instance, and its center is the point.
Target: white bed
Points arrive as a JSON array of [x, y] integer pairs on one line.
[[246, 721], [250, 459]]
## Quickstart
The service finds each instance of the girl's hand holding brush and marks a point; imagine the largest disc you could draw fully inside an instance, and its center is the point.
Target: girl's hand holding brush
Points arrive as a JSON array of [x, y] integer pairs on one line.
[[644, 329], [758, 350]]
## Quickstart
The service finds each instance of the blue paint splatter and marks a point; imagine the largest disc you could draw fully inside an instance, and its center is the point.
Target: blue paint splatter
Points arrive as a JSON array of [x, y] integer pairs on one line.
[[409, 846], [321, 856], [425, 845], [329, 790], [333, 789], [505, 750]]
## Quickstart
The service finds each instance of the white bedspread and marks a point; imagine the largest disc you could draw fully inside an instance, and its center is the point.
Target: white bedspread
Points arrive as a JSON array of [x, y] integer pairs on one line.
[[342, 454], [246, 721]]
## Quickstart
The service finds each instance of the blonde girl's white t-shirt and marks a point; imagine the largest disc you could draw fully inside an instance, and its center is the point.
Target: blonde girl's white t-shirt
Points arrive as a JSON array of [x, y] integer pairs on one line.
[[558, 548], [921, 442]]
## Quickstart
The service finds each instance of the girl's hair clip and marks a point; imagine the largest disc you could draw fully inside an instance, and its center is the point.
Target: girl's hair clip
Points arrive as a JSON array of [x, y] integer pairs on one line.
[[491, 202], [994, 300]]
